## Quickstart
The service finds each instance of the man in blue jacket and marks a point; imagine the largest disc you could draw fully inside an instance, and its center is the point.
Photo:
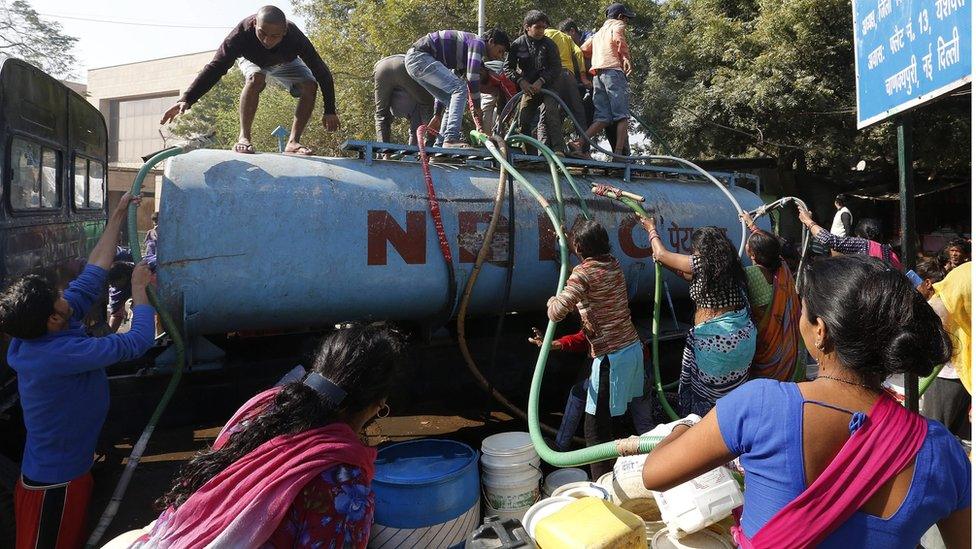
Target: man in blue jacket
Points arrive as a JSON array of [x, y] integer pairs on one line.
[[63, 387]]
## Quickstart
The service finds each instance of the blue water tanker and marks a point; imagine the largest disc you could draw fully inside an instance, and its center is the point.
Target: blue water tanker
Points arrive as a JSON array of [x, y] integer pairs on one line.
[[269, 241]]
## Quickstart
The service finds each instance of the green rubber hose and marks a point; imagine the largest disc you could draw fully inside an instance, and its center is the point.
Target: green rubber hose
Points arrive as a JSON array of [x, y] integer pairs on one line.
[[171, 328], [923, 384], [592, 454], [655, 326], [554, 159]]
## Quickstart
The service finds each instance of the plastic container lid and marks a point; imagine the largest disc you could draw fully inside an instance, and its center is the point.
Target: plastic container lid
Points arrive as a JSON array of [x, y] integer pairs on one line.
[[507, 444], [560, 477], [423, 461], [543, 509], [704, 539], [584, 489]]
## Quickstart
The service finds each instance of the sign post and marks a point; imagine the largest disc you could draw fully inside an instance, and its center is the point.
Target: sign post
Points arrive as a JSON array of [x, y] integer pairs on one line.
[[906, 208], [908, 53]]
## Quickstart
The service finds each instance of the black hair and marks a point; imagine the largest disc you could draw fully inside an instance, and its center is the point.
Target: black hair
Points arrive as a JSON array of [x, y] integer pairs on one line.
[[869, 228], [273, 15], [878, 323], [120, 274], [25, 307], [361, 359], [567, 25], [590, 239], [497, 36], [767, 249], [718, 260], [535, 16], [960, 243], [841, 199], [930, 268], [155, 217]]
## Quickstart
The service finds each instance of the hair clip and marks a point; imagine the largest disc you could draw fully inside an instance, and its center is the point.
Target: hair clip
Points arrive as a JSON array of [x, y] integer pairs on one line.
[[325, 387]]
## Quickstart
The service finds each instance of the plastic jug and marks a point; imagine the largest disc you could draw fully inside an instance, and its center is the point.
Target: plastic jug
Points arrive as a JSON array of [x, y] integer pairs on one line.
[[591, 523], [499, 534], [700, 502]]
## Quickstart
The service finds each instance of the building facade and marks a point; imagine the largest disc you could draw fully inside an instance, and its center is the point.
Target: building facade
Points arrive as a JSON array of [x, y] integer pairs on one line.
[[132, 98]]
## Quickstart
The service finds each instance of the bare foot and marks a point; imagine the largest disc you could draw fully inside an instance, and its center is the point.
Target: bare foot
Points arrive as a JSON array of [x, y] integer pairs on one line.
[[243, 146], [293, 147]]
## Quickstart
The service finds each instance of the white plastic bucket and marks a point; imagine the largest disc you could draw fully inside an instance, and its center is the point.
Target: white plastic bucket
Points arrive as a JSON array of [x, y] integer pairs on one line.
[[543, 509], [511, 474], [561, 477], [584, 489], [705, 539]]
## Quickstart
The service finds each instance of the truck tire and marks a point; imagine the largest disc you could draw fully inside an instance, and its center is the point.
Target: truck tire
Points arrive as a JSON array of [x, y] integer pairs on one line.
[[9, 473]]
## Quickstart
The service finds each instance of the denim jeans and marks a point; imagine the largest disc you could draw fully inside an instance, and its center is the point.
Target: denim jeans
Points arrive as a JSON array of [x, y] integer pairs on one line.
[[444, 85], [610, 101]]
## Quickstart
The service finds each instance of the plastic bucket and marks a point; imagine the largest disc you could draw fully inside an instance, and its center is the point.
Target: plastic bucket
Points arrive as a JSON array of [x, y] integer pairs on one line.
[[511, 474], [561, 477], [706, 539], [543, 509], [426, 494], [584, 489]]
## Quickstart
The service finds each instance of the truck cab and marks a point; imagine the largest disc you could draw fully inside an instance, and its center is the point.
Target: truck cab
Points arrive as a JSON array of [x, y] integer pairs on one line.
[[53, 204]]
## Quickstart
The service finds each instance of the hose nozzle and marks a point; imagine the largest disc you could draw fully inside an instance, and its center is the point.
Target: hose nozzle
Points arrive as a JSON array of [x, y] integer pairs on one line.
[[609, 191]]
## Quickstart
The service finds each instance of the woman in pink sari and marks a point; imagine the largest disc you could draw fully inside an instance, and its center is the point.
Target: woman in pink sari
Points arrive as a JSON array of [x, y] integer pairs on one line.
[[835, 462], [289, 469]]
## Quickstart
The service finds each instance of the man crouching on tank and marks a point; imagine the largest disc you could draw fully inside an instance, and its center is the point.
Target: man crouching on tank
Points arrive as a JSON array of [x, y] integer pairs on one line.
[[270, 48], [63, 387]]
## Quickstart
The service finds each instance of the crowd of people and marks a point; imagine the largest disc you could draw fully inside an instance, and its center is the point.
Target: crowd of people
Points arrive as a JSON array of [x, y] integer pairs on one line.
[[834, 460], [432, 83]]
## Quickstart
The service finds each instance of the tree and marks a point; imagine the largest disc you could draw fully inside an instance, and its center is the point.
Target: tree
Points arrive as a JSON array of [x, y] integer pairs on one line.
[[773, 78], [714, 78], [23, 34]]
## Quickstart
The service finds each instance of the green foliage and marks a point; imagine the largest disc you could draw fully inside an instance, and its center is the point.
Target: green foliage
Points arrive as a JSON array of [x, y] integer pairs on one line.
[[26, 36], [773, 78], [714, 78]]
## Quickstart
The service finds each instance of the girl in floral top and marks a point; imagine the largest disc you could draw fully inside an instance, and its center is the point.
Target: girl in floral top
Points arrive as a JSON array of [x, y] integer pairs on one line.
[[289, 469]]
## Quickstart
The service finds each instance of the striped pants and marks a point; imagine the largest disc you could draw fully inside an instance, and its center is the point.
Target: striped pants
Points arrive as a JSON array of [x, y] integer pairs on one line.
[[53, 516]]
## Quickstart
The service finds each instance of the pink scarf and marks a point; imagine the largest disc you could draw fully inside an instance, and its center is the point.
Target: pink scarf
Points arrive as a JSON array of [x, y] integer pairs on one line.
[[878, 450], [244, 504]]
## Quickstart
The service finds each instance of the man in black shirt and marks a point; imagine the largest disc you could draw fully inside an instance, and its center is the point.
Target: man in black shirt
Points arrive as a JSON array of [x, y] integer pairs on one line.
[[533, 63], [270, 47]]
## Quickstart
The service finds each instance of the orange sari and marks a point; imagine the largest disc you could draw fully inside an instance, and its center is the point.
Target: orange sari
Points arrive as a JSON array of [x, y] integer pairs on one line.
[[778, 331]]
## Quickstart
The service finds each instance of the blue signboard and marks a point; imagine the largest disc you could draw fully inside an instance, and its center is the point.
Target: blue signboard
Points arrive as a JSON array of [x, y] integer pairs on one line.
[[907, 52]]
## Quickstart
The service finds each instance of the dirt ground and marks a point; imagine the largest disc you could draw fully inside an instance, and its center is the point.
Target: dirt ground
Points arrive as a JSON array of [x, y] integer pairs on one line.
[[437, 398]]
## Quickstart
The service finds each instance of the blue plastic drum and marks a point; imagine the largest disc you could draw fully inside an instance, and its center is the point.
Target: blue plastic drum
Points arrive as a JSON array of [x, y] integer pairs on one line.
[[427, 494]]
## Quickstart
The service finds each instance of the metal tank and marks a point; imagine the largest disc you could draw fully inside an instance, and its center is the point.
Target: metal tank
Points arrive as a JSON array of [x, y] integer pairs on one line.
[[268, 241]]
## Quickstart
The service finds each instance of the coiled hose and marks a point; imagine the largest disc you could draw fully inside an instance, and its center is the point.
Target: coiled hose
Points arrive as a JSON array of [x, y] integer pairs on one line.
[[171, 328]]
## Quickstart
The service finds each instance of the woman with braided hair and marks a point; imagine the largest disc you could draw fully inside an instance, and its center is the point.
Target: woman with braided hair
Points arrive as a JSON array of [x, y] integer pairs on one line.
[[720, 346], [289, 467]]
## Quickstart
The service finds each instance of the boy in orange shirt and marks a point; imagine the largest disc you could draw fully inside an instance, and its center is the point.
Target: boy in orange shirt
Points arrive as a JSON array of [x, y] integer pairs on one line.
[[610, 66]]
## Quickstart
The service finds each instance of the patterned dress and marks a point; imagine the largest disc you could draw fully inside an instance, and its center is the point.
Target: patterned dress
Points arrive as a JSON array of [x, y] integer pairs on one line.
[[333, 511], [719, 351]]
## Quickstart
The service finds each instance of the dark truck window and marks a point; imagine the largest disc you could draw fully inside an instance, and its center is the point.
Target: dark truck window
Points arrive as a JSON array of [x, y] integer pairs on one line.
[[89, 177], [34, 176]]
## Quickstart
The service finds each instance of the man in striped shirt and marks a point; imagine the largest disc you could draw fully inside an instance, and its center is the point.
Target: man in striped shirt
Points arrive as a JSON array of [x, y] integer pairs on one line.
[[432, 61]]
